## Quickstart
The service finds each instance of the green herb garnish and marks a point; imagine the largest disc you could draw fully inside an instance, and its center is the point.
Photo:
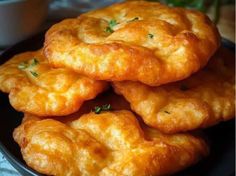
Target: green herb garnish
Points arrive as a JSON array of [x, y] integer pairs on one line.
[[108, 29], [110, 26], [34, 62], [112, 23], [134, 19], [167, 112], [183, 87], [34, 73], [106, 107], [150, 36], [99, 109], [23, 65]]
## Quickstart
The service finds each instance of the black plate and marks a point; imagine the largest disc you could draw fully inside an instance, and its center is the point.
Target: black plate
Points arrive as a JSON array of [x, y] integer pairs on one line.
[[220, 162]]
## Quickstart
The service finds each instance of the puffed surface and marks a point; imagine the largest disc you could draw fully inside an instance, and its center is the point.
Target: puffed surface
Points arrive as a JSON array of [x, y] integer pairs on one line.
[[203, 100], [110, 143], [149, 42], [51, 92]]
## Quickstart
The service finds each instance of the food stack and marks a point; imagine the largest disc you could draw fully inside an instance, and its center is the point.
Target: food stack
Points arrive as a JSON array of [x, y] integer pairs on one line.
[[120, 90]]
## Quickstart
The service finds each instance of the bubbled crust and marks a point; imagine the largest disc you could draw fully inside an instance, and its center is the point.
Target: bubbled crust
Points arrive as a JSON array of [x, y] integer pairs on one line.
[[183, 41], [110, 143], [200, 101], [53, 92]]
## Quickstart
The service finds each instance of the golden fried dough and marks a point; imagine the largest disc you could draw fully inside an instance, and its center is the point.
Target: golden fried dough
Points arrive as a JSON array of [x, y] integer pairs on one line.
[[117, 102], [37, 88], [110, 143], [200, 101], [138, 41]]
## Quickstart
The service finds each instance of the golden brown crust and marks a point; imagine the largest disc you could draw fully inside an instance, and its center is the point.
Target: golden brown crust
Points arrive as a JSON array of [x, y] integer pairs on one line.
[[200, 101], [49, 92], [117, 102], [110, 143], [151, 43]]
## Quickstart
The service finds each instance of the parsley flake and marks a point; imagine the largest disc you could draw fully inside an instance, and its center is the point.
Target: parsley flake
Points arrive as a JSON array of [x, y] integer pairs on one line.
[[150, 36], [112, 23], [23, 65], [134, 19], [99, 109], [108, 29], [34, 62], [34, 73], [106, 107], [167, 112], [110, 26]]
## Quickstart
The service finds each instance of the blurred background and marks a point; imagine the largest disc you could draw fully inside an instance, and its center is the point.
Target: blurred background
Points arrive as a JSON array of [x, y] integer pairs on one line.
[[222, 12], [23, 18]]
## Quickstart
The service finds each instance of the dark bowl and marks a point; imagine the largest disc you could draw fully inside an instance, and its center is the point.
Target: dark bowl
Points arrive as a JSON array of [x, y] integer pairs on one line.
[[220, 162]]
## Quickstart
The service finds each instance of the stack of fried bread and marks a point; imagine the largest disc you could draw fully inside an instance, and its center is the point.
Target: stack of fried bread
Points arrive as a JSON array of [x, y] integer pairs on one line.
[[121, 91]]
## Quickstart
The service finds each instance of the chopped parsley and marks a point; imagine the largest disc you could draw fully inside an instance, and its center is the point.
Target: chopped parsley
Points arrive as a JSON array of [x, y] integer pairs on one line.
[[150, 36], [25, 65], [110, 26], [112, 23], [34, 73], [183, 87], [134, 19], [99, 109], [34, 62], [167, 112], [109, 30]]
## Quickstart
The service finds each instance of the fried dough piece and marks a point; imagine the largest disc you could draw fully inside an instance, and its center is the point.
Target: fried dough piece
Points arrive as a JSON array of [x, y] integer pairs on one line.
[[37, 88], [200, 101], [117, 102], [110, 143], [138, 41]]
